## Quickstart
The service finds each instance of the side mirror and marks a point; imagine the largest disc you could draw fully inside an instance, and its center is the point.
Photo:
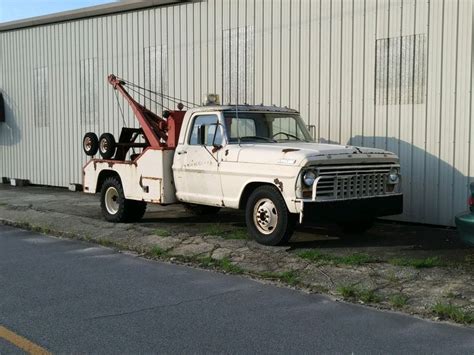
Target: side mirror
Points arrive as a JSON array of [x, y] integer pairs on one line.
[[210, 135], [202, 135]]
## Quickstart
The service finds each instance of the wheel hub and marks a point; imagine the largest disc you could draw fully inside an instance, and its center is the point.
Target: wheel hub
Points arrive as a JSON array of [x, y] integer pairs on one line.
[[88, 144], [104, 146], [265, 216], [111, 200]]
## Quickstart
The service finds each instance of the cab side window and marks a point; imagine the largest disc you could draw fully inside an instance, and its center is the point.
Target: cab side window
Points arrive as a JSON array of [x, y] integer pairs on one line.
[[210, 125]]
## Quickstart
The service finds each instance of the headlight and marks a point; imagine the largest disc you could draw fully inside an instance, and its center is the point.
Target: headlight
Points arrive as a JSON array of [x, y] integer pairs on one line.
[[393, 176], [309, 177]]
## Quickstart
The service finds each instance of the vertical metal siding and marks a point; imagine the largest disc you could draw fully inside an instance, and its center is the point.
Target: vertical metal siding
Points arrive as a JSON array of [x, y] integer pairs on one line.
[[316, 56]]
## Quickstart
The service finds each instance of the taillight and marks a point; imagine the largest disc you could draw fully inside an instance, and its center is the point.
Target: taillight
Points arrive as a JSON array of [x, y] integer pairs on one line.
[[470, 202]]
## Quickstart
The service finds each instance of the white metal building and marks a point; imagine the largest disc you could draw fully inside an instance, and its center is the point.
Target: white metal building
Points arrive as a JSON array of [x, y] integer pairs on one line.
[[394, 74]]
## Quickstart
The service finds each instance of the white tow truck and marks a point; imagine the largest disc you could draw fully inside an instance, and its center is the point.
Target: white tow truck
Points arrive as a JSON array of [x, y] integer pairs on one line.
[[257, 158]]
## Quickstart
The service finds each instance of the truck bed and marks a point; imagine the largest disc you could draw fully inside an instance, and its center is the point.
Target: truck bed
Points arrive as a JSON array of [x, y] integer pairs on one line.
[[148, 178]]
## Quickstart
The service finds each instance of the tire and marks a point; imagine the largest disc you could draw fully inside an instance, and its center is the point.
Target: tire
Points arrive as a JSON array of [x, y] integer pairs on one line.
[[107, 146], [201, 210], [90, 143], [267, 217], [357, 227], [115, 207]]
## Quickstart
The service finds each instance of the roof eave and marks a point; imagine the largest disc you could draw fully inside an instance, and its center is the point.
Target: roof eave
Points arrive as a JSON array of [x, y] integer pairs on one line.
[[87, 12]]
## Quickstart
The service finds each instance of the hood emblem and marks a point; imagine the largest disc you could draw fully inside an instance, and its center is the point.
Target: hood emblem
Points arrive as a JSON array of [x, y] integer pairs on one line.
[[287, 161]]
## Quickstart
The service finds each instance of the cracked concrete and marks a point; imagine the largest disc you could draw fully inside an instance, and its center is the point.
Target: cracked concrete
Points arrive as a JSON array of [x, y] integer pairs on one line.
[[76, 215]]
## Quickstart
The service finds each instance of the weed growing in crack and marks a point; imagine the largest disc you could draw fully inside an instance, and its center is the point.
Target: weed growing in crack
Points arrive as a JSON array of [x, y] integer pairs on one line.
[[240, 233], [453, 312], [214, 229], [347, 291], [161, 232], [40, 229], [369, 296], [317, 257], [417, 263], [156, 251], [289, 277], [398, 300], [362, 294], [226, 233], [105, 242], [392, 277], [224, 264]]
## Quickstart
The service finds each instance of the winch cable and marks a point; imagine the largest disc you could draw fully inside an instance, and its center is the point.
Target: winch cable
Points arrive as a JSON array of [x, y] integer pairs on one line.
[[120, 108], [168, 97], [149, 98], [121, 112]]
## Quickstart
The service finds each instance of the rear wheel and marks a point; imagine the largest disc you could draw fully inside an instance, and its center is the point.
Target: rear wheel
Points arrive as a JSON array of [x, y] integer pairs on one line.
[[115, 207], [268, 219]]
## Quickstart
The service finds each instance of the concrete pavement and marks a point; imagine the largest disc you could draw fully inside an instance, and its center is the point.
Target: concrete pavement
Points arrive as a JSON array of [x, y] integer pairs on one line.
[[69, 296]]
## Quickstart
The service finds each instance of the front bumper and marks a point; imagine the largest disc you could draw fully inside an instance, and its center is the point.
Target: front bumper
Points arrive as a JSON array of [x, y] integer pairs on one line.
[[352, 209]]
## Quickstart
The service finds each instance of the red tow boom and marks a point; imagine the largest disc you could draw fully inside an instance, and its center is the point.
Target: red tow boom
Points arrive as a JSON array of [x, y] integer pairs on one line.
[[159, 133]]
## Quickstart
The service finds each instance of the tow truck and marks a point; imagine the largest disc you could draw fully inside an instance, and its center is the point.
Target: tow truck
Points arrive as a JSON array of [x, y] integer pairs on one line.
[[257, 158]]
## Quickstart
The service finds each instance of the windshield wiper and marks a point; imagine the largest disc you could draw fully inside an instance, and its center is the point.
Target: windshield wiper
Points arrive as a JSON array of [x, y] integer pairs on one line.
[[258, 138]]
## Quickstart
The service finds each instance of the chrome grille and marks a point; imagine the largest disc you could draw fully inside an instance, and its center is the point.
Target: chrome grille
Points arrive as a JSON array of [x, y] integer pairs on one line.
[[348, 182]]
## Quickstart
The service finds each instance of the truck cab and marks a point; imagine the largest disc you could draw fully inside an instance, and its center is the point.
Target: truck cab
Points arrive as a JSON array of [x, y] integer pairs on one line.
[[226, 153]]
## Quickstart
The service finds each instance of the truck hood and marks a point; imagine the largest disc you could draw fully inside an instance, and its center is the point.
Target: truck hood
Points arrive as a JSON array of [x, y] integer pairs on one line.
[[301, 153]]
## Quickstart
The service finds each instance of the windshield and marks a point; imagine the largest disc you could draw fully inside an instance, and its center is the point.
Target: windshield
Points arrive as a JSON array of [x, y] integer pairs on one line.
[[265, 127]]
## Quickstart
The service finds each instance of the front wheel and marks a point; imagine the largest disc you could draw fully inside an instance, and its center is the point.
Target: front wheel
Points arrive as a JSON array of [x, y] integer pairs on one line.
[[268, 219]]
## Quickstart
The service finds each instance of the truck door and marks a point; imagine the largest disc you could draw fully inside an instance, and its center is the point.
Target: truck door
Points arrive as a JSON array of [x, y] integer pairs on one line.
[[196, 166]]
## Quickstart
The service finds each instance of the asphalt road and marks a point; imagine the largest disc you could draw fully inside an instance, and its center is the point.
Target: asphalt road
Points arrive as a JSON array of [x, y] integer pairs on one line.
[[67, 296]]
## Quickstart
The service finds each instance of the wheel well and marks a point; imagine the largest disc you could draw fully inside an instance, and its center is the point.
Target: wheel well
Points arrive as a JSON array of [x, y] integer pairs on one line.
[[248, 189], [104, 174]]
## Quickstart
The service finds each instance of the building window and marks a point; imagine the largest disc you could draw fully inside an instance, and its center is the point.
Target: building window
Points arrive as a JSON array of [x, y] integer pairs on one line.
[[156, 76], [238, 66], [400, 75], [40, 82], [89, 89]]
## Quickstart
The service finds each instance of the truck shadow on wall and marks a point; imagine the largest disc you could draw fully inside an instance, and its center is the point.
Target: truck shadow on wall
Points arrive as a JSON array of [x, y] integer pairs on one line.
[[10, 132], [420, 172]]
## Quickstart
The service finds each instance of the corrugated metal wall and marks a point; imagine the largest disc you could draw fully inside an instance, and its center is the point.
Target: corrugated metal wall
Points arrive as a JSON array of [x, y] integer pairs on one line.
[[393, 74]]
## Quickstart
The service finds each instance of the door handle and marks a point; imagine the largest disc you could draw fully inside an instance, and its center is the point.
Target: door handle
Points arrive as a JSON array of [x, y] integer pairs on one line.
[[182, 152]]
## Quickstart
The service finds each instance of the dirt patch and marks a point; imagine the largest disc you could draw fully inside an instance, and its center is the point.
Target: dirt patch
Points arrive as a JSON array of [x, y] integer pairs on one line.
[[414, 269]]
